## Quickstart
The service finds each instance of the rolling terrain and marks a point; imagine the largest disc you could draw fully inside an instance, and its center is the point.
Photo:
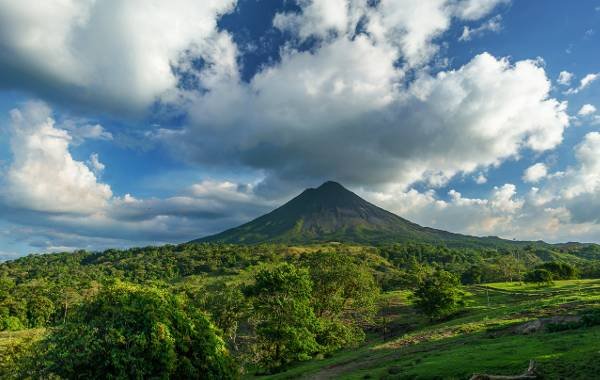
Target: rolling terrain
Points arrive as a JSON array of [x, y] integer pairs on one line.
[[502, 328]]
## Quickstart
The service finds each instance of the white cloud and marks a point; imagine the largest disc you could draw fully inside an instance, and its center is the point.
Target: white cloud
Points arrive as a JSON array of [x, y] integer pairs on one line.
[[535, 173], [575, 190], [589, 33], [585, 178], [117, 54], [503, 199], [97, 166], [55, 202], [475, 9], [583, 84], [586, 110], [492, 25], [81, 130], [43, 175], [495, 215], [587, 80], [346, 100], [565, 78], [410, 26], [481, 179], [287, 119], [318, 17]]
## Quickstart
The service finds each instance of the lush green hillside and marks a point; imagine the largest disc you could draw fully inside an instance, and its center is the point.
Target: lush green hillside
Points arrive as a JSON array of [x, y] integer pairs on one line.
[[333, 213], [488, 336], [287, 311]]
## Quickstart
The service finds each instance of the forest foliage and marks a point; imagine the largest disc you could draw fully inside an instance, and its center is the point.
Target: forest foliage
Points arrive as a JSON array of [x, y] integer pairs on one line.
[[176, 311]]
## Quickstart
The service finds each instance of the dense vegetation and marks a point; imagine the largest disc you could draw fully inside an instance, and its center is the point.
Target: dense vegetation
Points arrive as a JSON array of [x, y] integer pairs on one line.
[[227, 310]]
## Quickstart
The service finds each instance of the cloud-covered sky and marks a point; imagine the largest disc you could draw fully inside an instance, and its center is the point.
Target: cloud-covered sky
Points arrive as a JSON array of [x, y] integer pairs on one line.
[[145, 122]]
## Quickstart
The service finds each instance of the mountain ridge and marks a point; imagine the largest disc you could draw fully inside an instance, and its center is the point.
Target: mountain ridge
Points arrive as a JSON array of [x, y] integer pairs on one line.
[[332, 213]]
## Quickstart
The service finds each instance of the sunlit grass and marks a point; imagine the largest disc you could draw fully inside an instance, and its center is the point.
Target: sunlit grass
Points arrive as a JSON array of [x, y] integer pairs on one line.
[[478, 339]]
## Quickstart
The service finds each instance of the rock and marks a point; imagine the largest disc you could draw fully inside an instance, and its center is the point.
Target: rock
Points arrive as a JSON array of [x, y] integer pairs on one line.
[[540, 324]]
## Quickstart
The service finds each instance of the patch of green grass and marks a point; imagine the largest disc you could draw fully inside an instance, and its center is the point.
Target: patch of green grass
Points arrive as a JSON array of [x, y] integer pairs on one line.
[[480, 339]]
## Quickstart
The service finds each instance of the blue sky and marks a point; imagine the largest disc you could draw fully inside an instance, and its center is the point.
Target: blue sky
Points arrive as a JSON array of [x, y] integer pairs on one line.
[[128, 123]]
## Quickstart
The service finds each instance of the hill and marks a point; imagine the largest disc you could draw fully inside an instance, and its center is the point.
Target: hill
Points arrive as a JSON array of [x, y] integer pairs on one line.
[[502, 328], [333, 213], [38, 293]]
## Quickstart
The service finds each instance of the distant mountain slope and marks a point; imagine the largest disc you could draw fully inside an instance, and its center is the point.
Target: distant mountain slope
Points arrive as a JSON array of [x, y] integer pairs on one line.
[[333, 213]]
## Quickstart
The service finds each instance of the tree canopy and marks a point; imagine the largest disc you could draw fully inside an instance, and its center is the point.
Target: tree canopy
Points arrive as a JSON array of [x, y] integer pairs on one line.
[[130, 331]]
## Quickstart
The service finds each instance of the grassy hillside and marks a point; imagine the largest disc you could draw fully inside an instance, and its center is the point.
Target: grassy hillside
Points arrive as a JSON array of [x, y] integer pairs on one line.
[[40, 294], [484, 338]]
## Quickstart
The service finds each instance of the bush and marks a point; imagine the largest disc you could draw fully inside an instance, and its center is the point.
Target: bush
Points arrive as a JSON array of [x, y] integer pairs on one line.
[[591, 318], [129, 331], [11, 323], [560, 271], [438, 295], [473, 275], [539, 276]]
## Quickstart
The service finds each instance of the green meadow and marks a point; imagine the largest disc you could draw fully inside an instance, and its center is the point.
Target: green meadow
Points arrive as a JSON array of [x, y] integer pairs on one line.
[[481, 339]]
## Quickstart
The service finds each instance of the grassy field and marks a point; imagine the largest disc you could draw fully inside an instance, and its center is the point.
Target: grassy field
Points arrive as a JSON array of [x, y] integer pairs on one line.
[[484, 338]]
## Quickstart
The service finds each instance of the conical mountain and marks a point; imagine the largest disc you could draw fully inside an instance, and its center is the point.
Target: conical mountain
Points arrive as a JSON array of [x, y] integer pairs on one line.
[[333, 213]]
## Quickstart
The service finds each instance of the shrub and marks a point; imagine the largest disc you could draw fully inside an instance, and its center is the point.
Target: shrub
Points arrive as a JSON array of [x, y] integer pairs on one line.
[[438, 295], [539, 276], [11, 323], [591, 318], [560, 271], [129, 331]]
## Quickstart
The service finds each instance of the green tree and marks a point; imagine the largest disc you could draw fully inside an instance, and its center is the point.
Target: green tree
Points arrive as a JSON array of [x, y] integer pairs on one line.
[[473, 275], [344, 298], [39, 311], [438, 294], [129, 331], [285, 321], [227, 306], [539, 276], [510, 267], [560, 271]]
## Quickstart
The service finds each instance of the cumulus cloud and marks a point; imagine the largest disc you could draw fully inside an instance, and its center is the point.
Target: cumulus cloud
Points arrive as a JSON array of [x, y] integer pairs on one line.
[[318, 17], [584, 83], [476, 9], [43, 175], [288, 118], [116, 54], [565, 78], [493, 215], [586, 110], [492, 25], [408, 25], [554, 212], [95, 164], [481, 179], [535, 173], [81, 130], [585, 178], [55, 202], [365, 103]]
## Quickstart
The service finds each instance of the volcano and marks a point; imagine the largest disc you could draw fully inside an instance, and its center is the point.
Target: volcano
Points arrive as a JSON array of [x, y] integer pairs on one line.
[[332, 213]]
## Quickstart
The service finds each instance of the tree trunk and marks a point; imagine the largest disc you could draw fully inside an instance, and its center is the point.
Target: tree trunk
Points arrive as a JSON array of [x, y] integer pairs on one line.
[[529, 374]]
